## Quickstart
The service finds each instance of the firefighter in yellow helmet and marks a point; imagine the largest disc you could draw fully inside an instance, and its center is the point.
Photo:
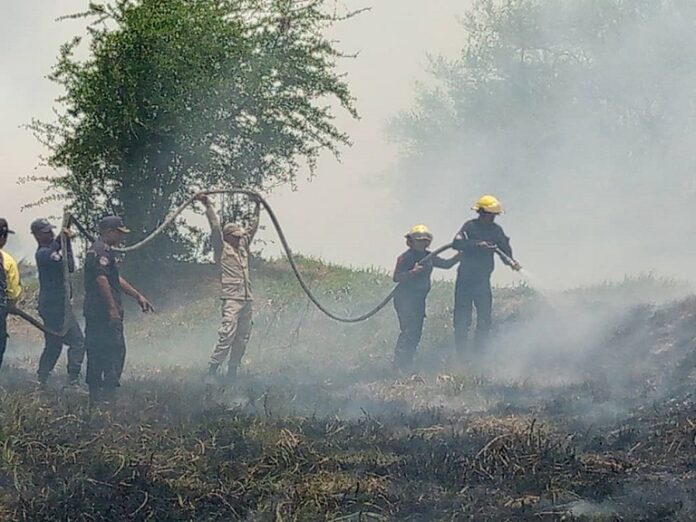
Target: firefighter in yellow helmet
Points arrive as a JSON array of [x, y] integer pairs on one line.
[[478, 240], [414, 284]]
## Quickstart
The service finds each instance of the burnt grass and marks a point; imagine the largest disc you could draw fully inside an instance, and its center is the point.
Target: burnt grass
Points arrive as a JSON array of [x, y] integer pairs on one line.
[[318, 428]]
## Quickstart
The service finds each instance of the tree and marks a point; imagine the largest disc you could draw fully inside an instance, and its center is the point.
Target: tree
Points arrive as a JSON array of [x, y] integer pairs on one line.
[[177, 94], [563, 108]]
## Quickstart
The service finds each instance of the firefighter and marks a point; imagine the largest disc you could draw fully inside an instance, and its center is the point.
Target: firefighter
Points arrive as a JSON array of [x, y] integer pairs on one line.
[[49, 263], [413, 277], [478, 240], [10, 285], [103, 309], [231, 251]]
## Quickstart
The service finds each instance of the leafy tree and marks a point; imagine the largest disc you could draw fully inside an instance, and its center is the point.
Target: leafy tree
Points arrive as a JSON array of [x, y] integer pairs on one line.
[[191, 93], [563, 108]]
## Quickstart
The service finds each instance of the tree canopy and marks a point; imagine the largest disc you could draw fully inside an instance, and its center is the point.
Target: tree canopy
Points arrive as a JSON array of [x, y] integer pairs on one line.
[[175, 94]]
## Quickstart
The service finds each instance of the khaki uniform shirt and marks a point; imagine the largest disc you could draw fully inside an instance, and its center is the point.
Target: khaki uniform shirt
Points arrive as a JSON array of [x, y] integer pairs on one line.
[[234, 263]]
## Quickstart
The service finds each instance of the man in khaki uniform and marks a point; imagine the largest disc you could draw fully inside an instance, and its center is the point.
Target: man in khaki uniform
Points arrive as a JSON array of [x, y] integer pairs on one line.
[[231, 249]]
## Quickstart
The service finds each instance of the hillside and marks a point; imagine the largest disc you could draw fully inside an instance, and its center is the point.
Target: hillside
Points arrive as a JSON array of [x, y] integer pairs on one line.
[[583, 409]]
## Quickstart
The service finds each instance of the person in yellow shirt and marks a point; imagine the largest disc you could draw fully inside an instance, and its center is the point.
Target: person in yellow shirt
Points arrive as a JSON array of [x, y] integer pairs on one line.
[[10, 285]]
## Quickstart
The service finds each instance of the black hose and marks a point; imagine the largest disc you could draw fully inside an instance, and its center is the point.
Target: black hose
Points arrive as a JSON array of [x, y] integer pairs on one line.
[[71, 220]]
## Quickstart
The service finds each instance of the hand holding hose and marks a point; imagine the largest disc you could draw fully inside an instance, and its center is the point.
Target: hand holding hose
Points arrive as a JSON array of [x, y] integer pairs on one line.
[[417, 269], [202, 197], [512, 263], [487, 245]]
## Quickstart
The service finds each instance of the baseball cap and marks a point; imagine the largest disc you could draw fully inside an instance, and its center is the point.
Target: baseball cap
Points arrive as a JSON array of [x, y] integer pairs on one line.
[[233, 229], [5, 228], [113, 223], [41, 225]]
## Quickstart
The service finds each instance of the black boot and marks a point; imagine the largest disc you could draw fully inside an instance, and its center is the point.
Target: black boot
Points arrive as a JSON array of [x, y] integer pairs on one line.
[[462, 351], [107, 394], [231, 376], [43, 382], [403, 361], [211, 376], [95, 394]]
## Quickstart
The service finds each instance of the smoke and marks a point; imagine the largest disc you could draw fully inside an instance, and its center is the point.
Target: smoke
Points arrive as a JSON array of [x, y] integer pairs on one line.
[[571, 134], [579, 116], [571, 337]]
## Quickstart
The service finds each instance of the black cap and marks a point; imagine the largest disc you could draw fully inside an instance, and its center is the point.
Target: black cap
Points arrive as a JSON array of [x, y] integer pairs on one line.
[[5, 228], [41, 225], [113, 223]]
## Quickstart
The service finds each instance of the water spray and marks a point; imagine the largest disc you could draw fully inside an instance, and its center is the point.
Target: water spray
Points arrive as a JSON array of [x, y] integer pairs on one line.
[[515, 265]]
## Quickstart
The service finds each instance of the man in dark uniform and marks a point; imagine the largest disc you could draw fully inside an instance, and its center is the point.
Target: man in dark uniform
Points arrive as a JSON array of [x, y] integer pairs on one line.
[[413, 275], [478, 240], [105, 343], [52, 309]]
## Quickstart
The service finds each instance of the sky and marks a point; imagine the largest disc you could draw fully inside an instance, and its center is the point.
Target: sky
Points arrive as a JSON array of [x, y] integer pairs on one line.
[[351, 212], [346, 214]]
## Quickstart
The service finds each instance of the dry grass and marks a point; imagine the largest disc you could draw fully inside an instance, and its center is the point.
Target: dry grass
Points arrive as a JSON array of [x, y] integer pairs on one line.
[[318, 429]]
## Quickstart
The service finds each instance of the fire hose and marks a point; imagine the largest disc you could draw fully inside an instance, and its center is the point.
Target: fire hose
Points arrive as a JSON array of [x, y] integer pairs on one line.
[[69, 220], [509, 261]]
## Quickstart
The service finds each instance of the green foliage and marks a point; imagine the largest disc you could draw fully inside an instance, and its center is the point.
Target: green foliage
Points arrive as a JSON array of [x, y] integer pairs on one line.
[[177, 94]]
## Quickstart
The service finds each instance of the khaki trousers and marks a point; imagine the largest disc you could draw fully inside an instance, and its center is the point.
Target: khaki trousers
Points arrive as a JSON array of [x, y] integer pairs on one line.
[[234, 332]]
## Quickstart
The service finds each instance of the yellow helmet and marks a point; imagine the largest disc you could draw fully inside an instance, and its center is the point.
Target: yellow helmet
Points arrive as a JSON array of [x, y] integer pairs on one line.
[[488, 204], [419, 232]]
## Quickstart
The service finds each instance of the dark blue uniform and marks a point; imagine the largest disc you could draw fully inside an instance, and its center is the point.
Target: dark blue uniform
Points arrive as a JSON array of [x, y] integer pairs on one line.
[[105, 343], [49, 262], [409, 301], [473, 286]]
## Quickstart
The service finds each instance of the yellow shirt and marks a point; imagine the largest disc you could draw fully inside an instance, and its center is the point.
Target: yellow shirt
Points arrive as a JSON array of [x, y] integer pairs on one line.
[[14, 286]]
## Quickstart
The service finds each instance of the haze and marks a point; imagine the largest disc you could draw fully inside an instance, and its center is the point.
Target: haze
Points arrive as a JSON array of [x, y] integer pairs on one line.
[[351, 213]]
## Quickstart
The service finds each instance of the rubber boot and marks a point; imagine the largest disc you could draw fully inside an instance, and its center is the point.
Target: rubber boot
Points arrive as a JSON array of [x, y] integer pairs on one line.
[[231, 376], [108, 394], [95, 395], [403, 361], [212, 374], [480, 342], [462, 352]]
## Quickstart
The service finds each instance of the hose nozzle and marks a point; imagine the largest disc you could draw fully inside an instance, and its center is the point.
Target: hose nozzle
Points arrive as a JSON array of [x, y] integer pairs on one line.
[[509, 261]]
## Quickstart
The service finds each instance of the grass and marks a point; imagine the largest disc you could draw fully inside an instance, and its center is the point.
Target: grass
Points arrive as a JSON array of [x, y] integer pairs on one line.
[[318, 428]]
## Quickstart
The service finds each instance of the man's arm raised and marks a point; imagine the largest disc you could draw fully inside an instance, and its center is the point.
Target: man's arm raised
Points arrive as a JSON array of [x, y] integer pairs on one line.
[[254, 224], [215, 227]]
